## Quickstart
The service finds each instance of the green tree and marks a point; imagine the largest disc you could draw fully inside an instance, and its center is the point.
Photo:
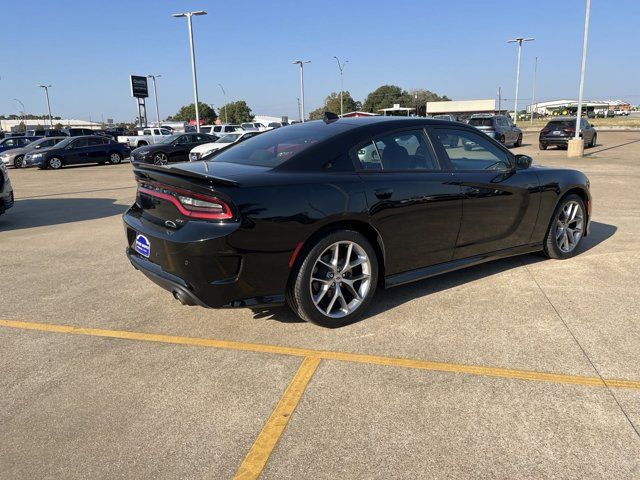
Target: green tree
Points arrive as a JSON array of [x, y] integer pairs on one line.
[[424, 96], [58, 126], [188, 113], [21, 127], [384, 97], [235, 112], [318, 113], [332, 104]]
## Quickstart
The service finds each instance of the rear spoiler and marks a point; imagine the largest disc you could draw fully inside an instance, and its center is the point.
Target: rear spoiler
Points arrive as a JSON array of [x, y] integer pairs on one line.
[[176, 170]]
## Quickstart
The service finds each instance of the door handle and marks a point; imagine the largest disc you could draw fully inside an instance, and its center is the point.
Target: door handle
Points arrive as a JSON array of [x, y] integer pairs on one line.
[[384, 193]]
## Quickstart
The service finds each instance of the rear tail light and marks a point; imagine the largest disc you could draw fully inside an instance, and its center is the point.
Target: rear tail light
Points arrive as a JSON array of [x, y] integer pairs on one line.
[[570, 131], [189, 204], [545, 130]]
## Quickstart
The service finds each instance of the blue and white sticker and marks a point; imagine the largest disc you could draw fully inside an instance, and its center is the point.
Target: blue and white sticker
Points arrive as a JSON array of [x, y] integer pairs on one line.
[[142, 245]]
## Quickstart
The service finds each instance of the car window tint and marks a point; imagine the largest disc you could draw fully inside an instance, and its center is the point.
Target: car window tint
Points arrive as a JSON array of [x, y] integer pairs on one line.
[[367, 156], [81, 142], [471, 151], [481, 122], [9, 143], [405, 151], [95, 141]]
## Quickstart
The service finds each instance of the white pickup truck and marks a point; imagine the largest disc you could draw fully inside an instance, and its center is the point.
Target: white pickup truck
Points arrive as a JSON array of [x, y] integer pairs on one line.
[[146, 136]]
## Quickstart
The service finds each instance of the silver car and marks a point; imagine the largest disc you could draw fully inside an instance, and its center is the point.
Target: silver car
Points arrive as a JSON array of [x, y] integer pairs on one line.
[[15, 156], [499, 127]]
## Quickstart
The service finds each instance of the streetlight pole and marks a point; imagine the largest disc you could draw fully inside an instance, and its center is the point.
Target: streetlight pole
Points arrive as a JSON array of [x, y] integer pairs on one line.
[[226, 117], [299, 111], [341, 68], [533, 93], [24, 115], [155, 95], [585, 37], [46, 89], [519, 41], [499, 99], [301, 63], [193, 59]]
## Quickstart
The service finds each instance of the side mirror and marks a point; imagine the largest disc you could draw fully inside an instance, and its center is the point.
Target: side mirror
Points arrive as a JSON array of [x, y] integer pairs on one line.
[[523, 162]]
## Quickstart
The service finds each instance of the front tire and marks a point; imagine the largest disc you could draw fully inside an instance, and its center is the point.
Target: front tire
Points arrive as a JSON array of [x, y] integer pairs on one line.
[[566, 228], [18, 162], [335, 281]]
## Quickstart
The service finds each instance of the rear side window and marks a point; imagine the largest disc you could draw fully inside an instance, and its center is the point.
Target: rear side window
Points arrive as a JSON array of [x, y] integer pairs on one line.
[[272, 148], [95, 141], [407, 150]]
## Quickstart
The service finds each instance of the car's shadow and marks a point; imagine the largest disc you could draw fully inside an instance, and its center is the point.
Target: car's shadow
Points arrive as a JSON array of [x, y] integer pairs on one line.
[[386, 299], [40, 212]]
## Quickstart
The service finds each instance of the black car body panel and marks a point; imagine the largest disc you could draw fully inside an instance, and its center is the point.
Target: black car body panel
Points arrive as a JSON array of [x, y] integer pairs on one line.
[[421, 222]]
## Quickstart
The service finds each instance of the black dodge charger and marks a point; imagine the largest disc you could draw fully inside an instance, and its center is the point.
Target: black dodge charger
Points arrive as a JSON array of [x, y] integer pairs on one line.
[[320, 214]]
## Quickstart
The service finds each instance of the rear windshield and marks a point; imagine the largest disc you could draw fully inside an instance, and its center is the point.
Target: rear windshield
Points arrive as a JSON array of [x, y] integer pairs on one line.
[[559, 124], [275, 147], [481, 122]]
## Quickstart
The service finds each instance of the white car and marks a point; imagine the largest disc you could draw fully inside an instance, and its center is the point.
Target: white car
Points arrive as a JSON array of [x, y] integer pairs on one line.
[[220, 129], [255, 127], [206, 148]]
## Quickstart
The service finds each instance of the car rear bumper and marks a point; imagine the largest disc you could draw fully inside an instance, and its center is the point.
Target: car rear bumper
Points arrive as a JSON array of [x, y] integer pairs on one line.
[[206, 270], [554, 140]]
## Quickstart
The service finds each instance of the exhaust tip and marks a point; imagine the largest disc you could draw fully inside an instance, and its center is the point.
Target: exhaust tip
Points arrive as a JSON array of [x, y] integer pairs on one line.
[[182, 298]]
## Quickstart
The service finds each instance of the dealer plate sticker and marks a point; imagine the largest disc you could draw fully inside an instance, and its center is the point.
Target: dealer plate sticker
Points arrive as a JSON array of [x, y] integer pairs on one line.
[[142, 245]]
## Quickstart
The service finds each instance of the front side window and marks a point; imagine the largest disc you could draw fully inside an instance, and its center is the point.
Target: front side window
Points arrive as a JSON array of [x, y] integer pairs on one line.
[[81, 142], [9, 143], [471, 151]]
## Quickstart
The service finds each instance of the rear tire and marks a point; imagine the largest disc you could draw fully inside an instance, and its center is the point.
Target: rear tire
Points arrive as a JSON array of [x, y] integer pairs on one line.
[[566, 228], [334, 282], [518, 142], [142, 144], [542, 146], [593, 141], [54, 163]]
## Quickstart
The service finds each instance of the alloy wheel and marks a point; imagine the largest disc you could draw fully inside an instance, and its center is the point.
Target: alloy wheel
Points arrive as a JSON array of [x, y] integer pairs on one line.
[[114, 158], [55, 163], [341, 279], [569, 226], [18, 162], [160, 159]]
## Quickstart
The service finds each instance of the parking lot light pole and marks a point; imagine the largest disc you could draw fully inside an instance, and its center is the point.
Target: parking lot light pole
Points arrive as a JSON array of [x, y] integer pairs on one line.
[[301, 63], [193, 59], [533, 92], [155, 95], [519, 41], [24, 115], [46, 90], [583, 67], [226, 117], [341, 68]]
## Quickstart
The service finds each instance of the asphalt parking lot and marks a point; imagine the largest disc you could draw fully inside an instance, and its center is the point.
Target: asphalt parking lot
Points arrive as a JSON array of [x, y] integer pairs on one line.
[[521, 368]]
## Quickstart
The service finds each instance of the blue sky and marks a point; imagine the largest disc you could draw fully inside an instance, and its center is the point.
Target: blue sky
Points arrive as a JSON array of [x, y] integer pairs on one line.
[[88, 49]]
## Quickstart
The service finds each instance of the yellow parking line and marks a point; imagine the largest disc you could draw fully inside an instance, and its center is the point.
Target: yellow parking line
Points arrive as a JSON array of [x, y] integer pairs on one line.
[[328, 355], [253, 464]]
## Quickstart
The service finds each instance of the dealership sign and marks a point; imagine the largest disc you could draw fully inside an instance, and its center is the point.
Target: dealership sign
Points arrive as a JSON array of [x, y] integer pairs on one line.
[[139, 87]]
